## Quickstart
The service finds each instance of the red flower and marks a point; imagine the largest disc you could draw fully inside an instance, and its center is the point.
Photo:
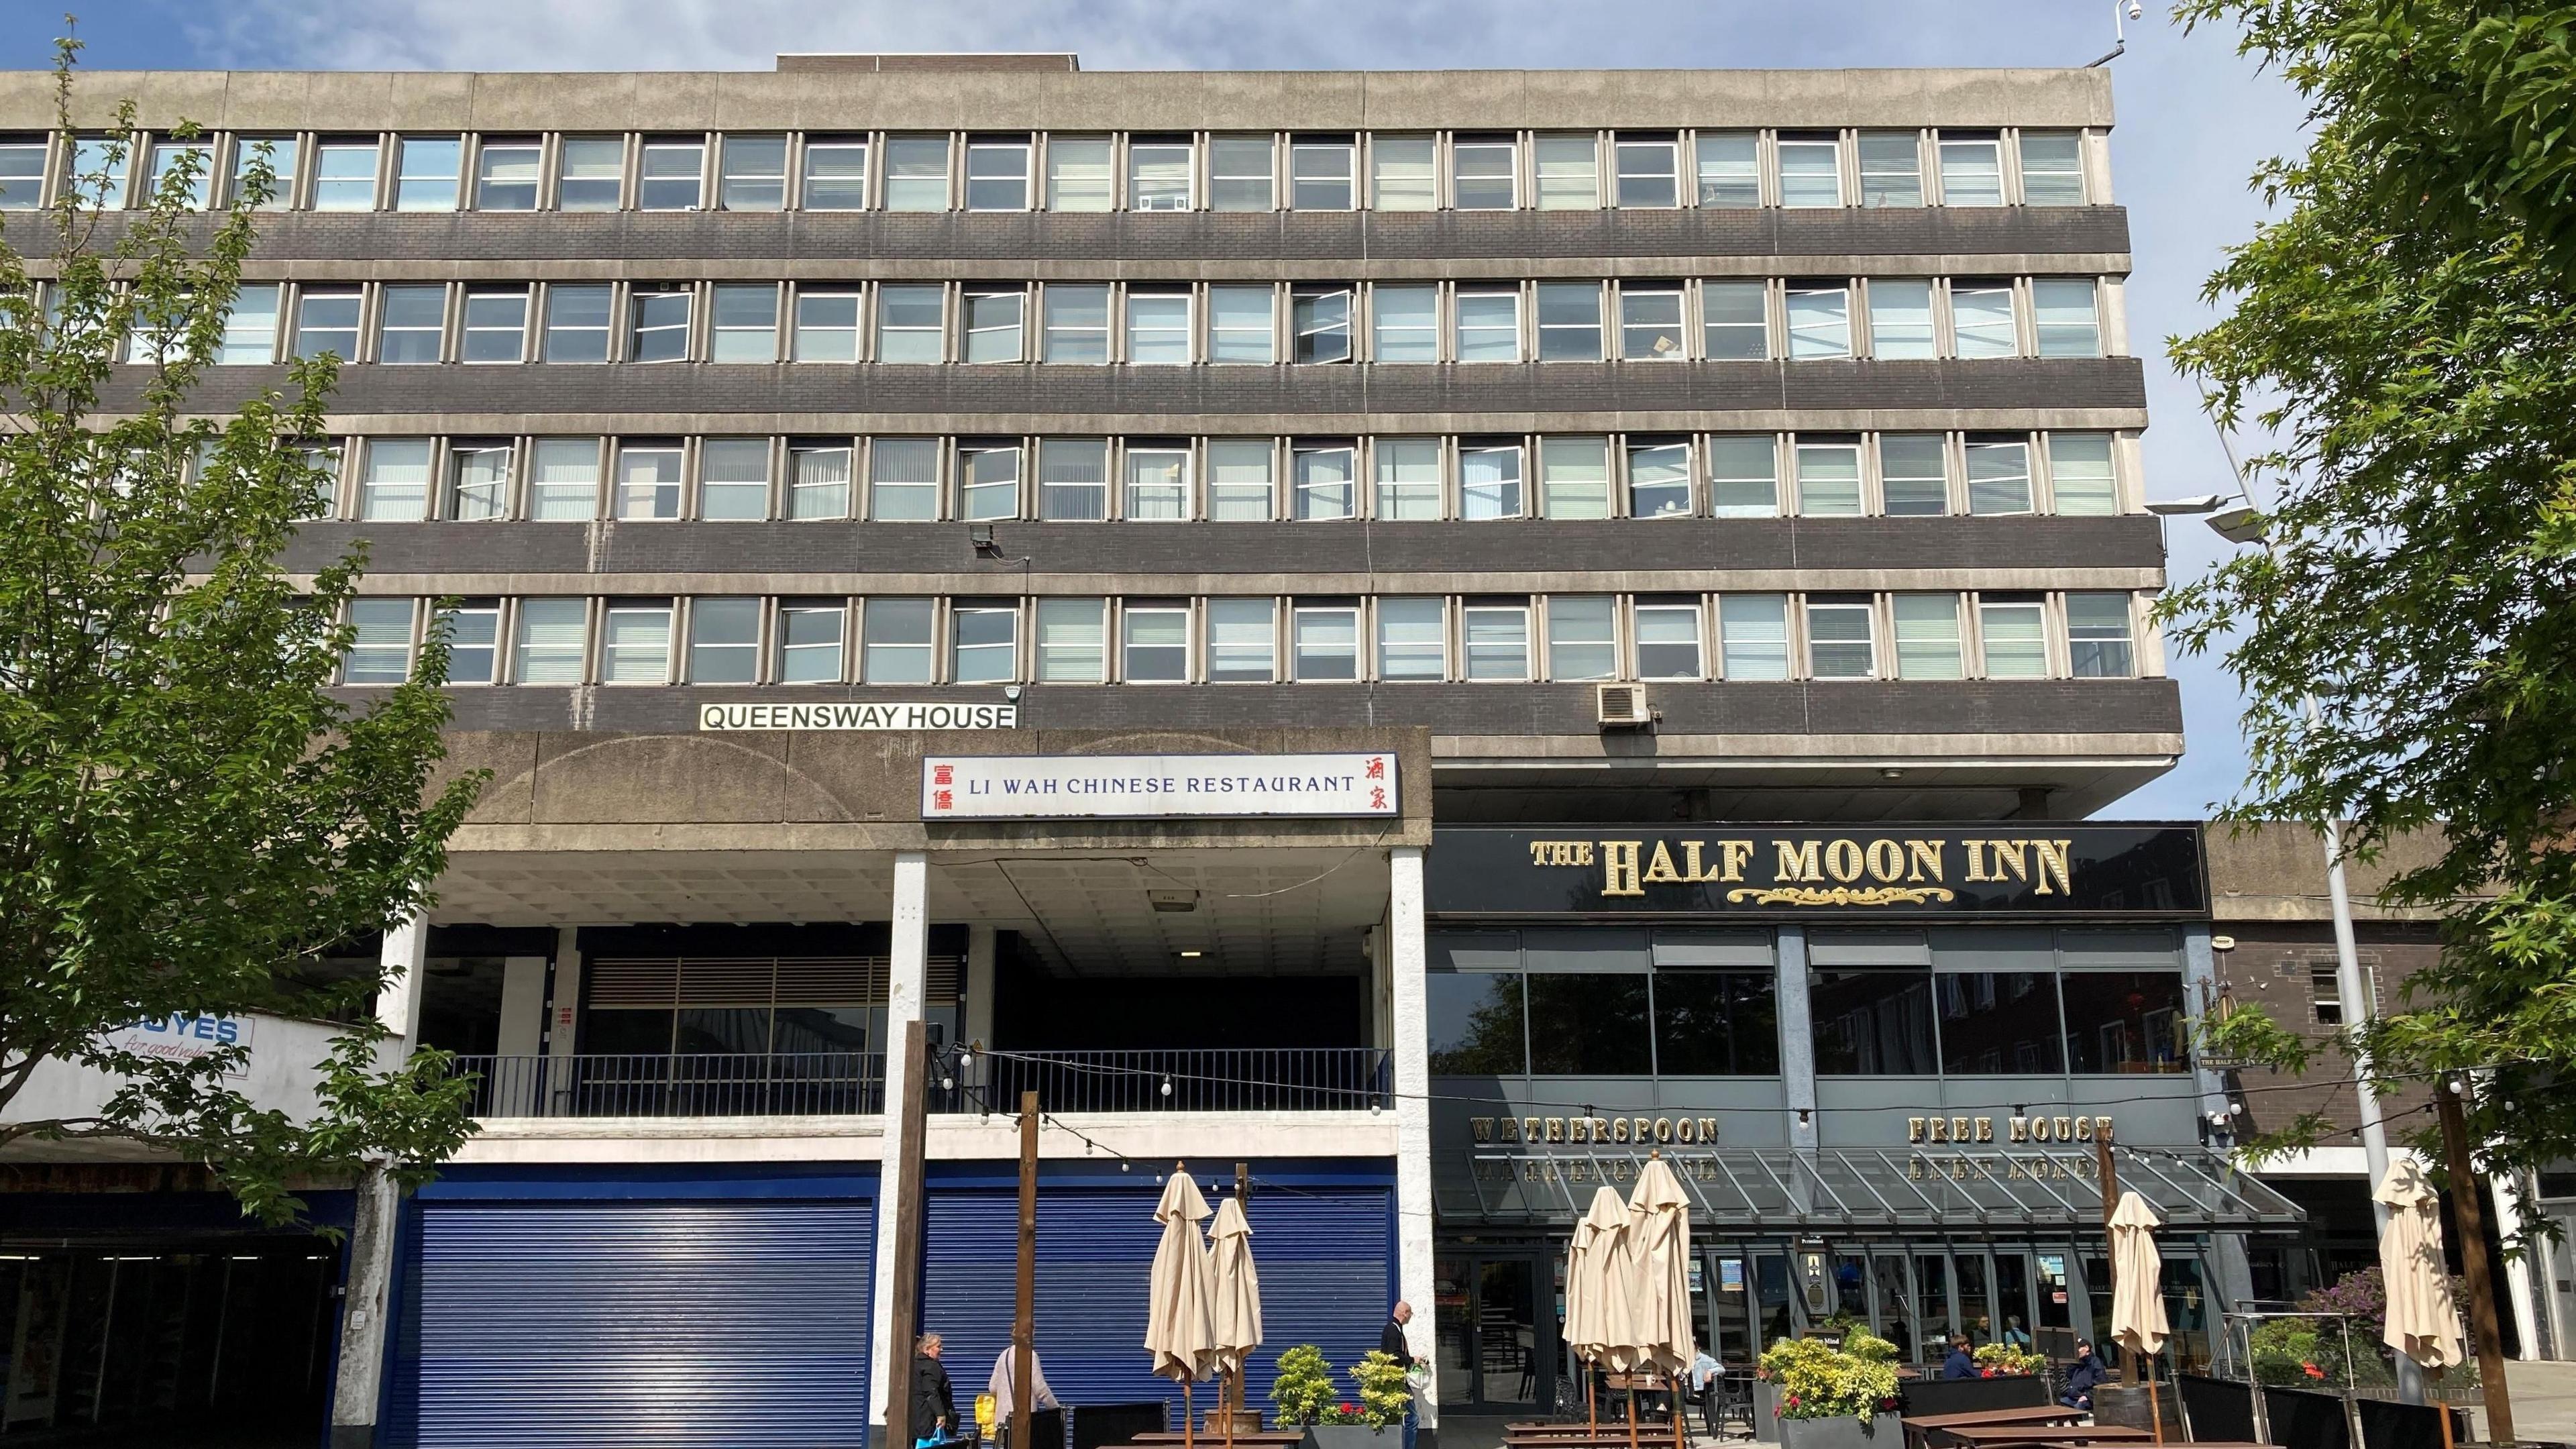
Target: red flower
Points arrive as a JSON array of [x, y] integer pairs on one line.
[[1790, 1399], [2312, 1371], [1347, 1409]]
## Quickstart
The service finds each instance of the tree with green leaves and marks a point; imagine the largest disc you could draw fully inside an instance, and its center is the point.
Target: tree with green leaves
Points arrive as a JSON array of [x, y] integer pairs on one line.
[[188, 819], [2403, 337]]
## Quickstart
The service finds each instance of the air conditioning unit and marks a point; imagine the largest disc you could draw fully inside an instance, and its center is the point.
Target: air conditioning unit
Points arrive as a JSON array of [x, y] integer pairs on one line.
[[1622, 706]]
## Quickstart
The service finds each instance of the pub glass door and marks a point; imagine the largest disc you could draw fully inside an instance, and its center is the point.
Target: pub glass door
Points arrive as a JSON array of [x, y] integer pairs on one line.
[[1496, 1350]]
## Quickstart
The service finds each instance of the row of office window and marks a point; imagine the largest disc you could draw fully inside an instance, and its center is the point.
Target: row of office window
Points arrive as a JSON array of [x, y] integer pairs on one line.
[[1146, 480], [1258, 640], [1021, 171], [1096, 323]]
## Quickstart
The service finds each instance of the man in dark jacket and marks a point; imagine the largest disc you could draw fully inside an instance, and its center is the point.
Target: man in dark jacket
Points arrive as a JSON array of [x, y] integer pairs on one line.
[[2081, 1379], [934, 1406], [1391, 1340], [1959, 1365]]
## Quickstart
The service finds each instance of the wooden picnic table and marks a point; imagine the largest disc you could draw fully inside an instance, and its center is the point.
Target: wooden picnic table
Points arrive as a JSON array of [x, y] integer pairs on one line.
[[1919, 1427], [1263, 1439], [2038, 1436]]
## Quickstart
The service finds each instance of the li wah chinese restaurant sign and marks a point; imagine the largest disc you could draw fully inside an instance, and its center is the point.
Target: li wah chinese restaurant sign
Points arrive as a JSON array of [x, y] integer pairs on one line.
[[1146, 787]]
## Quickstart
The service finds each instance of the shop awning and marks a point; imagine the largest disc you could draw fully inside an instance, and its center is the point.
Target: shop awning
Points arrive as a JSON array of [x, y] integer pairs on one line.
[[1860, 1188]]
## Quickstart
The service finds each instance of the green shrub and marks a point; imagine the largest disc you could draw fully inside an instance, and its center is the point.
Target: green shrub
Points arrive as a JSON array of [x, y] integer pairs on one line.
[[1304, 1390], [1816, 1382]]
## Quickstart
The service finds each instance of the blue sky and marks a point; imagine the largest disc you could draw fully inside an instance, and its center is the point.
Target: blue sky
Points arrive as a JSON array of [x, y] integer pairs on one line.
[[2194, 119]]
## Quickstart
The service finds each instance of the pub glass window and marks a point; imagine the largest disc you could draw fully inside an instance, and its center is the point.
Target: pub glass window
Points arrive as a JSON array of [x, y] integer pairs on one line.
[[1072, 641], [1475, 1023], [1582, 637], [1872, 1022], [1715, 1023], [1590, 1022], [1574, 477], [2125, 1021], [1998, 1023]]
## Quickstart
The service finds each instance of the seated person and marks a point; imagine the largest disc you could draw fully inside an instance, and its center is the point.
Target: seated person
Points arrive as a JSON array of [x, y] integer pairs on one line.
[[2083, 1377], [1960, 1364], [2014, 1334]]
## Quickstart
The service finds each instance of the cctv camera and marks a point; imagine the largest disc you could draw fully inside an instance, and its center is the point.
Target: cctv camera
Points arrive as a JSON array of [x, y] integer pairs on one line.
[[2136, 9]]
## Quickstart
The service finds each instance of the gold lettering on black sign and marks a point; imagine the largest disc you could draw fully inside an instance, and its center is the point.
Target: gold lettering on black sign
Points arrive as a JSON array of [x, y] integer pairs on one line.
[[1834, 871]]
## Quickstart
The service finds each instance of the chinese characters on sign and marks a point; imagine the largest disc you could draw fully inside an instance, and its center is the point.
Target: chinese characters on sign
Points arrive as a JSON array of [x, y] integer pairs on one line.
[[1112, 787]]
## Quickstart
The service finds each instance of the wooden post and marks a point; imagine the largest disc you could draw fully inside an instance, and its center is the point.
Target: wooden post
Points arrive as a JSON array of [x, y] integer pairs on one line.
[[1024, 1311], [2109, 1172], [905, 1202], [2471, 1218]]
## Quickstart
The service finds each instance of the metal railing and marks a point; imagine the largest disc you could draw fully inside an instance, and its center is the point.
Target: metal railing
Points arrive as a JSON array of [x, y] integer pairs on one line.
[[1249, 1079], [696, 1085]]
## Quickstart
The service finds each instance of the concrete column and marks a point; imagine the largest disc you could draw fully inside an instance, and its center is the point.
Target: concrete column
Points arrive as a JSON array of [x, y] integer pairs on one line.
[[522, 1040], [2521, 1299], [406, 949], [979, 985], [563, 1022], [1797, 1036], [1406, 960], [360, 1380], [907, 974]]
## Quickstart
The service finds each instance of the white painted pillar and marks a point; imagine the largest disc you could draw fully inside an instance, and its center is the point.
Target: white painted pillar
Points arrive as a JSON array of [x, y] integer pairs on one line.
[[907, 973], [360, 1379], [563, 1024], [522, 1036], [1407, 957], [406, 950], [2520, 1297]]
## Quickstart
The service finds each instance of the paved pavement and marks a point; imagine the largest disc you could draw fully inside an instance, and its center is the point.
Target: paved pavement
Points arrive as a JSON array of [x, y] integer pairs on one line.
[[2544, 1401]]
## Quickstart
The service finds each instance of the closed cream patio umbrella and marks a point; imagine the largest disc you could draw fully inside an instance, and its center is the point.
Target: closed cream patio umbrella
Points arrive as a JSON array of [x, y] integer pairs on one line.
[[1657, 1252], [1234, 1297], [1596, 1291], [1180, 1328], [2423, 1320], [2137, 1291]]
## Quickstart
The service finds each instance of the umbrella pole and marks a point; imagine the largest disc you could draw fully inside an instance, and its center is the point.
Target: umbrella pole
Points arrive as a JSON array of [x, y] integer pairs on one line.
[[1229, 1413], [1189, 1417], [1591, 1396], [1632, 1411], [2442, 1406]]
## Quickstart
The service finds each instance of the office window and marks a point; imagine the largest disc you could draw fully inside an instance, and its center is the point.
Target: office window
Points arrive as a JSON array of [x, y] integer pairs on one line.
[[1072, 641], [1158, 175], [168, 158], [2064, 310], [250, 153], [1410, 640], [1730, 169], [916, 173], [100, 165], [2124, 1021], [1154, 644], [1648, 171], [1981, 317], [506, 175], [753, 173], [827, 325], [1873, 1023], [2100, 641], [1322, 479], [1239, 173], [1829, 480], [548, 645], [1320, 175], [1401, 174], [724, 641], [1891, 168], [660, 321], [344, 176], [1158, 328], [1569, 322], [909, 322], [895, 641], [395, 486], [379, 649], [997, 175], [1744, 475], [1407, 323], [1077, 323], [1574, 477], [635, 643], [1659, 484], [1158, 484], [836, 178], [1079, 174], [478, 486], [1320, 319], [563, 479], [1650, 324], [993, 325], [1900, 318], [1073, 479], [818, 482], [1839, 642], [746, 322], [733, 479], [988, 483], [590, 173], [1242, 641], [496, 325], [1239, 324], [326, 320], [2079, 473], [1972, 172], [1326, 638], [576, 323], [473, 634], [2325, 993], [983, 644], [322, 464], [1496, 641], [1811, 171], [411, 325], [2016, 643], [648, 481], [1927, 636], [1819, 321], [1914, 474], [1733, 322], [2052, 168], [1569, 172], [1667, 641], [1998, 476], [1489, 326], [426, 169], [250, 328], [1582, 637], [672, 176], [809, 643], [22, 174], [1484, 174], [1241, 479], [1489, 482], [903, 479]]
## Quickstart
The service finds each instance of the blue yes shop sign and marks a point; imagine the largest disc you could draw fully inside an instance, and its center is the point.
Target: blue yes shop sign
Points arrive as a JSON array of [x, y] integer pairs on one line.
[[2140, 872]]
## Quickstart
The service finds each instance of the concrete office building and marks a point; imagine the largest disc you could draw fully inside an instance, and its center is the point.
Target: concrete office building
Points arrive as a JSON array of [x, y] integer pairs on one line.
[[1222, 593]]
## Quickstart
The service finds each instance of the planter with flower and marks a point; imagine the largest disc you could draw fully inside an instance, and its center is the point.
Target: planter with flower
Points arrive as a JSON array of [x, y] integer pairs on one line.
[[1823, 1397], [1306, 1399], [2005, 1361]]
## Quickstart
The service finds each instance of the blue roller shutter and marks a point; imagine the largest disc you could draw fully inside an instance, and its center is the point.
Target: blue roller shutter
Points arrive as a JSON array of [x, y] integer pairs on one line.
[[617, 1324], [1323, 1254]]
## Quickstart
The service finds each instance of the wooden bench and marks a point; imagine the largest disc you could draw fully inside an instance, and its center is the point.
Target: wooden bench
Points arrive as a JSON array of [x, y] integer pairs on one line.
[[2037, 1436], [1919, 1427]]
